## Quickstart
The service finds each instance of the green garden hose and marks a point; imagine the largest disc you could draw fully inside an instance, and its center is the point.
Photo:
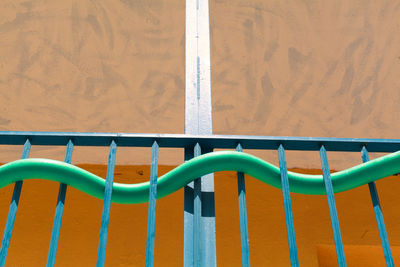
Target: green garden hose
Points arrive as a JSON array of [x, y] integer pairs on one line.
[[194, 168]]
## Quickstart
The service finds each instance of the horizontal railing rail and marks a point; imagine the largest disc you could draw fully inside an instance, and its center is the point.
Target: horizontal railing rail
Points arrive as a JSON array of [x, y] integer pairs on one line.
[[205, 141]]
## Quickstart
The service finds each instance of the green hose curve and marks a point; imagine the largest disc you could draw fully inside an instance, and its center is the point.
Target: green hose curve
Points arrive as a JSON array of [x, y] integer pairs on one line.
[[190, 170]]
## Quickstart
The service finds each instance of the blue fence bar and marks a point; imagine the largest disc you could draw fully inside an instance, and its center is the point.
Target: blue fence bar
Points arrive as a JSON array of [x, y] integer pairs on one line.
[[151, 220], [197, 216], [12, 212], [207, 216], [188, 202], [51, 258], [244, 232], [294, 260], [207, 225], [378, 214], [332, 208], [101, 255]]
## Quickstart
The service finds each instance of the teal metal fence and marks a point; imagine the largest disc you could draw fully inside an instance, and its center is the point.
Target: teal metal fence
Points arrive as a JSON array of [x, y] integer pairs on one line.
[[196, 144]]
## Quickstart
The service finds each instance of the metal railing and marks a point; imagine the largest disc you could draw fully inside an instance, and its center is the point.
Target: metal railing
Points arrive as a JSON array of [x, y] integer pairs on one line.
[[196, 144]]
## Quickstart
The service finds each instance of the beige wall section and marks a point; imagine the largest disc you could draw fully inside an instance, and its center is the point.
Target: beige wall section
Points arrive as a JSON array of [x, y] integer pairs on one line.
[[306, 68], [296, 68], [108, 66]]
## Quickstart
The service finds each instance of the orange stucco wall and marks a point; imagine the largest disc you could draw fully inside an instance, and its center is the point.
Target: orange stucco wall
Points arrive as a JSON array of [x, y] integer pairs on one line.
[[268, 241]]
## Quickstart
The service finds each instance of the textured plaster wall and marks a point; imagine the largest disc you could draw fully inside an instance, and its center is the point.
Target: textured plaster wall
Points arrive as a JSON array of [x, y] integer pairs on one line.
[[296, 68], [293, 68]]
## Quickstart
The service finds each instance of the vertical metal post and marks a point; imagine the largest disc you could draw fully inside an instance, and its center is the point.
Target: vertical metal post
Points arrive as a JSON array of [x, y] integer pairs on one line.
[[244, 232], [188, 238], [151, 219], [12, 212], [198, 120], [378, 215], [101, 254], [332, 208], [197, 215], [51, 258], [288, 207]]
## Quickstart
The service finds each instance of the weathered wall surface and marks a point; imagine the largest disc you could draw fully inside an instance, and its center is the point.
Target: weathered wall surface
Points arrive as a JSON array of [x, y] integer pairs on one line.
[[278, 68], [111, 66], [294, 68], [306, 68]]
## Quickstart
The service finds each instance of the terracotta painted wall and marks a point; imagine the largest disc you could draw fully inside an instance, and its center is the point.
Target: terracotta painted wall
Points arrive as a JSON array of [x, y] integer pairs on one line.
[[267, 231]]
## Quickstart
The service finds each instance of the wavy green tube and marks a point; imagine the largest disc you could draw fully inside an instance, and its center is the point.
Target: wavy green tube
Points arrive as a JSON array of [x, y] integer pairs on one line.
[[190, 170]]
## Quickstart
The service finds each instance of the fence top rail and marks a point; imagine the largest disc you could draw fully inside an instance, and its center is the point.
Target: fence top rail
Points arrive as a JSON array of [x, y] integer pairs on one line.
[[206, 141]]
